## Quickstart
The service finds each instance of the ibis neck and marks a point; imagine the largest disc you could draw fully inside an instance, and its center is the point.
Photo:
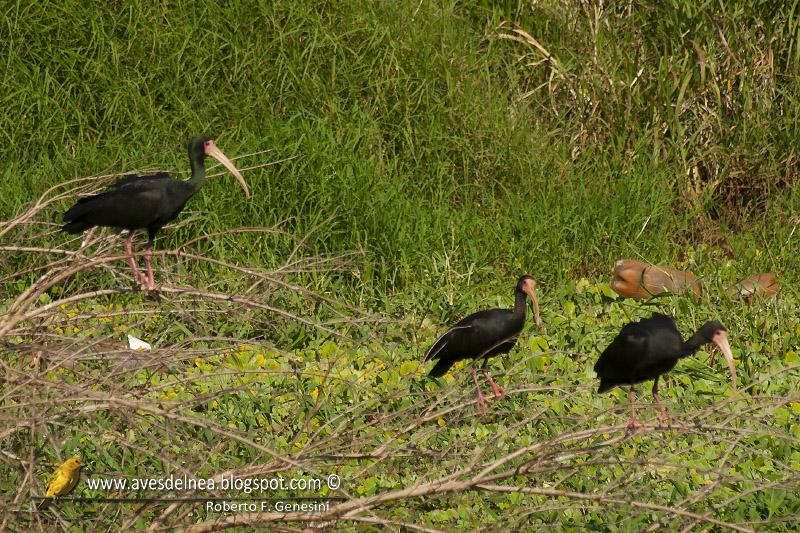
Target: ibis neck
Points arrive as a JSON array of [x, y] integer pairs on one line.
[[198, 171], [693, 344], [520, 301]]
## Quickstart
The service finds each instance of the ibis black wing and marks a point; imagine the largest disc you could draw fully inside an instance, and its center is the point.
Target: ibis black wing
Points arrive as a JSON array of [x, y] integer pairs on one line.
[[481, 334], [659, 321], [641, 351], [134, 182], [447, 349], [452, 336], [665, 347], [623, 354], [136, 204], [472, 335]]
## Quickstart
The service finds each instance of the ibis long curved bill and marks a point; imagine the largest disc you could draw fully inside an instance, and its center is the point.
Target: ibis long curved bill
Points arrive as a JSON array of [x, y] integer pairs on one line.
[[721, 340], [212, 150], [530, 289]]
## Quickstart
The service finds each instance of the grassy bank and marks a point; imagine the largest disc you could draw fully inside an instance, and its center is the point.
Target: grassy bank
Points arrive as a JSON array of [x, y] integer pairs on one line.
[[422, 134], [411, 159]]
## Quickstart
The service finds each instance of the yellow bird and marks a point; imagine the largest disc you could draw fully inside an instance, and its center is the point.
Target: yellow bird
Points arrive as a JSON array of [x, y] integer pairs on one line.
[[65, 477]]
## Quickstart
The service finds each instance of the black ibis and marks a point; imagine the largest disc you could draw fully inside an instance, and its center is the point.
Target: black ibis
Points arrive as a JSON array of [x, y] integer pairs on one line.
[[637, 280], [484, 334], [147, 202], [647, 349], [760, 285]]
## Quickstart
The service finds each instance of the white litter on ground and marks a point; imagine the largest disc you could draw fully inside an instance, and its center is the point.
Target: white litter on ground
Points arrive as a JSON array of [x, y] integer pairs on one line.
[[138, 344]]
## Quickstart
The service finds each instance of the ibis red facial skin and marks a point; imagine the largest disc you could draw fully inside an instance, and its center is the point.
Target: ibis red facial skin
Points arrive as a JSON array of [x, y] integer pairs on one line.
[[484, 334], [147, 202], [649, 348]]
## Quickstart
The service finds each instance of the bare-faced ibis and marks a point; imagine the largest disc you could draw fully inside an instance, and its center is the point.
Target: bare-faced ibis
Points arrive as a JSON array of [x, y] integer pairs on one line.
[[760, 285], [484, 334], [147, 202], [647, 349], [637, 280]]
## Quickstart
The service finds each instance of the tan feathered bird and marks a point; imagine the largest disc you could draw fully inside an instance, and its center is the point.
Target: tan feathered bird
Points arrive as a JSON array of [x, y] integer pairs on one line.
[[637, 280], [760, 285]]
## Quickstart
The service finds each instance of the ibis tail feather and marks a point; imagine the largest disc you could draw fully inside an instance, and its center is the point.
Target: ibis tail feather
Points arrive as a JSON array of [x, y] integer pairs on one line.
[[441, 368]]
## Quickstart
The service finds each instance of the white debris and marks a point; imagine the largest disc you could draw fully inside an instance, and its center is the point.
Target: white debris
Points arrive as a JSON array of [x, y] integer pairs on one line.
[[138, 344]]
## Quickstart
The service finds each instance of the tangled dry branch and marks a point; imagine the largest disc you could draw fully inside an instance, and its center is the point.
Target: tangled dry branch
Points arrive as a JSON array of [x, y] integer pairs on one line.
[[206, 402]]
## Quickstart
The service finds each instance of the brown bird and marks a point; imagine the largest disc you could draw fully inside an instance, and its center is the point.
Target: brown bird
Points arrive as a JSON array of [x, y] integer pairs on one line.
[[760, 285], [637, 280]]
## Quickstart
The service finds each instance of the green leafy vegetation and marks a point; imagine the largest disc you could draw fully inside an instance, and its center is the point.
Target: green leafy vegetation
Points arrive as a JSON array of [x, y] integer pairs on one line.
[[408, 161]]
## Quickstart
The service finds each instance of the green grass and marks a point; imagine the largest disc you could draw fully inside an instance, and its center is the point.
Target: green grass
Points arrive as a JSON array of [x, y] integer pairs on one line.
[[368, 413], [450, 154], [414, 139]]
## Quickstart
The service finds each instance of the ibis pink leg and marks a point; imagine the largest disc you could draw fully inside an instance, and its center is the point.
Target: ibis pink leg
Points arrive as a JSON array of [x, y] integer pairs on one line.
[[632, 425], [498, 392], [137, 276], [663, 418], [148, 262], [482, 400]]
